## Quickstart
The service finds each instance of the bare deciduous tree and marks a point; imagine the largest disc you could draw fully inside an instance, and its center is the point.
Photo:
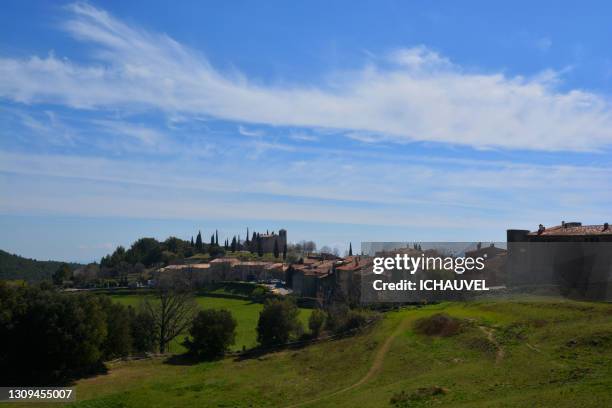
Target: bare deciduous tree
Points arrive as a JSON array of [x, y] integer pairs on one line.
[[172, 307]]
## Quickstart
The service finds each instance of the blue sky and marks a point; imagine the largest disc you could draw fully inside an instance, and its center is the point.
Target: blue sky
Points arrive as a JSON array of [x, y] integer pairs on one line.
[[351, 121]]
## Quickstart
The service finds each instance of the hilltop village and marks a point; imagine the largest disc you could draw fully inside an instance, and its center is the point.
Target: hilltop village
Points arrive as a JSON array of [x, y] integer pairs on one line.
[[315, 276]]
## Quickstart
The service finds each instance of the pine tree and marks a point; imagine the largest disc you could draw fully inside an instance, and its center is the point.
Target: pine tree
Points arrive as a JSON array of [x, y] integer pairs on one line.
[[276, 249], [350, 249]]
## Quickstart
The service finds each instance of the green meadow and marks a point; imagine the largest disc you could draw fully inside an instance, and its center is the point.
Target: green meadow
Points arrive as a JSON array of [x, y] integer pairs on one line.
[[245, 311], [524, 352]]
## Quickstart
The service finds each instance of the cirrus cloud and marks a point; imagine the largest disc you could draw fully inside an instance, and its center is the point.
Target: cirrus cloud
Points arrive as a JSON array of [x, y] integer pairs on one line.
[[415, 95]]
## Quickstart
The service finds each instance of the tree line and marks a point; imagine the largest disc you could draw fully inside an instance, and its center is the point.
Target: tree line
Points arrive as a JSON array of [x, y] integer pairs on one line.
[[50, 336]]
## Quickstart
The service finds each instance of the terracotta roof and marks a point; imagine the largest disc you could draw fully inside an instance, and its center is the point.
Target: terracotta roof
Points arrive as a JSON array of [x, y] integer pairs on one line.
[[274, 266], [565, 230], [353, 263], [254, 263]]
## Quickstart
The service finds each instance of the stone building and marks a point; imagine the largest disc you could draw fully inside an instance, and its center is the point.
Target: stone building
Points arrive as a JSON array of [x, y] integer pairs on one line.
[[322, 279], [267, 241], [574, 259]]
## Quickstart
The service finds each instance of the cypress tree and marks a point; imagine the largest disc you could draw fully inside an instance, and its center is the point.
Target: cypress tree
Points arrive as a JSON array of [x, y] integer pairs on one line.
[[234, 244], [198, 242], [285, 252], [192, 241], [276, 249], [350, 249], [216, 237], [212, 240], [259, 247]]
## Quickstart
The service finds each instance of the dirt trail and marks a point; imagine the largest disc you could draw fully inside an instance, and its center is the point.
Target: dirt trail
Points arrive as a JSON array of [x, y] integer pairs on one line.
[[499, 355], [379, 358]]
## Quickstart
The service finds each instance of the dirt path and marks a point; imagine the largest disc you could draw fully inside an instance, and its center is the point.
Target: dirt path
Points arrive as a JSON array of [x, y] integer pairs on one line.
[[376, 366], [499, 355]]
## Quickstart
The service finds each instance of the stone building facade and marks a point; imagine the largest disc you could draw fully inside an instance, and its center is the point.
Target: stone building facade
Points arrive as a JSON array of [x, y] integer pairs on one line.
[[574, 259]]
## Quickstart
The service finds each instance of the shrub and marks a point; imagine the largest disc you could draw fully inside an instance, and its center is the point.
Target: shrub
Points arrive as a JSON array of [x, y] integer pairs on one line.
[[118, 341], [342, 319], [277, 322], [439, 324], [404, 399], [259, 294], [143, 332], [315, 322], [212, 332]]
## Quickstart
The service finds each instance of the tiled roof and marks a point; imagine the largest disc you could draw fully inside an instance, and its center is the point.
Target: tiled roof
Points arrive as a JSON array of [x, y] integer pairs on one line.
[[254, 263], [564, 230], [353, 263]]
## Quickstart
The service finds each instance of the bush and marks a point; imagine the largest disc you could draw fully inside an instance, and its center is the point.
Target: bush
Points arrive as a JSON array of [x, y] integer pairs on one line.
[[404, 399], [144, 335], [439, 324], [316, 321], [118, 341], [355, 319], [342, 318], [212, 332], [277, 322], [259, 294]]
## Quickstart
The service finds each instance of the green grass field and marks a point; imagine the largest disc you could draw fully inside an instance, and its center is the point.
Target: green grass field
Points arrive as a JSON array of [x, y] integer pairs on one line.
[[244, 311], [521, 353]]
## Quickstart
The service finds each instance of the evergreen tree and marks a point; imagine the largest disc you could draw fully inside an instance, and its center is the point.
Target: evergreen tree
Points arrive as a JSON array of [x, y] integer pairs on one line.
[[276, 253], [259, 247], [350, 249], [216, 237], [192, 241], [247, 236], [285, 252], [212, 240], [233, 244], [198, 242]]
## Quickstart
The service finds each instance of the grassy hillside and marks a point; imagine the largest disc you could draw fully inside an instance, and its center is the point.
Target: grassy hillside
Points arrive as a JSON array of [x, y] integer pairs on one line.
[[244, 311], [17, 267], [529, 352]]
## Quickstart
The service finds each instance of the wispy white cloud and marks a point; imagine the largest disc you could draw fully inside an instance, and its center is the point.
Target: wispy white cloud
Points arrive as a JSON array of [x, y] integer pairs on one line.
[[303, 137], [417, 94], [249, 132], [507, 191]]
